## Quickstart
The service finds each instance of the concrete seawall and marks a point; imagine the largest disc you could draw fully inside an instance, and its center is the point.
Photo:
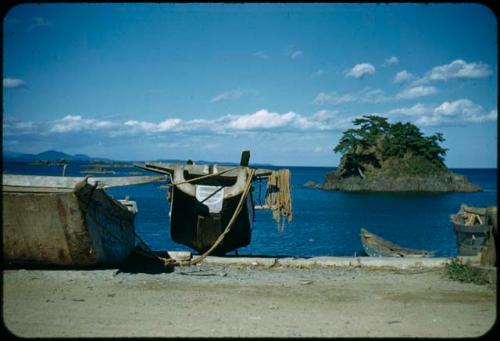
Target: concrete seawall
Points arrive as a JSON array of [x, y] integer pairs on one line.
[[373, 262]]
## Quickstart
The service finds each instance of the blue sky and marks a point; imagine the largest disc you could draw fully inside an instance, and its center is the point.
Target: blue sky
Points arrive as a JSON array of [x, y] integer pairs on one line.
[[206, 81]]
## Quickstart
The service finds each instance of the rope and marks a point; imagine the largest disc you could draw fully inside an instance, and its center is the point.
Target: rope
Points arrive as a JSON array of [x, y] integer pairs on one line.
[[244, 194], [278, 196]]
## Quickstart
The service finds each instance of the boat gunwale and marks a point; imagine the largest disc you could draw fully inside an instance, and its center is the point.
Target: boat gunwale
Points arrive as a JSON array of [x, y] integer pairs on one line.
[[190, 189], [14, 182], [199, 169]]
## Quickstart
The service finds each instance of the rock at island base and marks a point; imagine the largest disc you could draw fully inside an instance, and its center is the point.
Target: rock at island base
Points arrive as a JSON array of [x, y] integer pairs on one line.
[[446, 182]]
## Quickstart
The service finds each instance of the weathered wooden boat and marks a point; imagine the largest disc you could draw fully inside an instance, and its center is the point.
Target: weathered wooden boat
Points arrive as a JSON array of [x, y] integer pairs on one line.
[[471, 226], [204, 198], [376, 246], [68, 221]]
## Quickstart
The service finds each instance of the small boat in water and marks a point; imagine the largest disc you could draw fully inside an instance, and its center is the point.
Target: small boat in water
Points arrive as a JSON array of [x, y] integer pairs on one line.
[[472, 226], [376, 246], [204, 201], [67, 221]]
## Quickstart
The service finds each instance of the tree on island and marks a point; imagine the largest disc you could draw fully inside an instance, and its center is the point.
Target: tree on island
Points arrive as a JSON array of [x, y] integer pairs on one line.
[[378, 147]]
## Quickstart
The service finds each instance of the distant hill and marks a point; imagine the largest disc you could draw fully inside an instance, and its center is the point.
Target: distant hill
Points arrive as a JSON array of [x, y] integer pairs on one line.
[[54, 155], [50, 155]]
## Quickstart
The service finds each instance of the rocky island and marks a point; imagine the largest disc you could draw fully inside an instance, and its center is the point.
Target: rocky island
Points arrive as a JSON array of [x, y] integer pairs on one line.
[[384, 157]]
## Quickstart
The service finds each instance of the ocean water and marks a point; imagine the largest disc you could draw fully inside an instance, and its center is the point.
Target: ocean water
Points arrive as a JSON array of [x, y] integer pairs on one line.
[[324, 223]]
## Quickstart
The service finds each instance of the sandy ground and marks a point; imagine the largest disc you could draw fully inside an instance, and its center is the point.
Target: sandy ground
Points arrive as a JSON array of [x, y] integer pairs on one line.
[[214, 300]]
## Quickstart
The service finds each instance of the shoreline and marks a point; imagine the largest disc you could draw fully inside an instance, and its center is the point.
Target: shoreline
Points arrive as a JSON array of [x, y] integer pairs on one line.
[[247, 297], [264, 261]]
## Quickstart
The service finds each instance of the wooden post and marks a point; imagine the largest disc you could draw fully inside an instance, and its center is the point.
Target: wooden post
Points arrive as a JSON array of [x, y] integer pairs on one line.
[[245, 158], [489, 252]]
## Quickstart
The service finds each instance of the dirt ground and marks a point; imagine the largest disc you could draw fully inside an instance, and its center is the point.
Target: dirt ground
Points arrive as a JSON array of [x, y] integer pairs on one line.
[[212, 300]]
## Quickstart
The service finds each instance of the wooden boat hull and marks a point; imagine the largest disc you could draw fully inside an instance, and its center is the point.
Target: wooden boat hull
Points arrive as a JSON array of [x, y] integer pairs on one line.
[[190, 224], [374, 246], [469, 238], [472, 227], [196, 223], [64, 225]]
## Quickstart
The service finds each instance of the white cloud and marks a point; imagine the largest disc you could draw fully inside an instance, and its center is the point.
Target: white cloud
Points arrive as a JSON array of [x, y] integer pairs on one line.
[[177, 125], [75, 123], [231, 94], [261, 119], [294, 53], [12, 83], [361, 70], [333, 98], [367, 95], [319, 73], [416, 110], [415, 92], [458, 69], [373, 96], [166, 125], [38, 22], [393, 60], [491, 116], [464, 106], [17, 127], [260, 54], [457, 112], [322, 120], [403, 76]]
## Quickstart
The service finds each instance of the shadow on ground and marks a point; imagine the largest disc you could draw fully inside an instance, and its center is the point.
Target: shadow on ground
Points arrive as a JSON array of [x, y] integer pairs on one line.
[[139, 263], [134, 263]]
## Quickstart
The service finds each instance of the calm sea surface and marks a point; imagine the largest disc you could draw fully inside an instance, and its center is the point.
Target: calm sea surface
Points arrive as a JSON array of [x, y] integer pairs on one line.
[[324, 223]]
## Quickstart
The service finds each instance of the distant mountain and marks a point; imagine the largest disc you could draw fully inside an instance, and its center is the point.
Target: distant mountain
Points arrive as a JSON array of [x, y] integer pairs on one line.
[[54, 155], [204, 162], [50, 155]]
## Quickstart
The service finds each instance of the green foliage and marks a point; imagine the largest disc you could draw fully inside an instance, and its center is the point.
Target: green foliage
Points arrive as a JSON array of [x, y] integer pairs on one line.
[[414, 166], [376, 141], [458, 271], [366, 135]]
